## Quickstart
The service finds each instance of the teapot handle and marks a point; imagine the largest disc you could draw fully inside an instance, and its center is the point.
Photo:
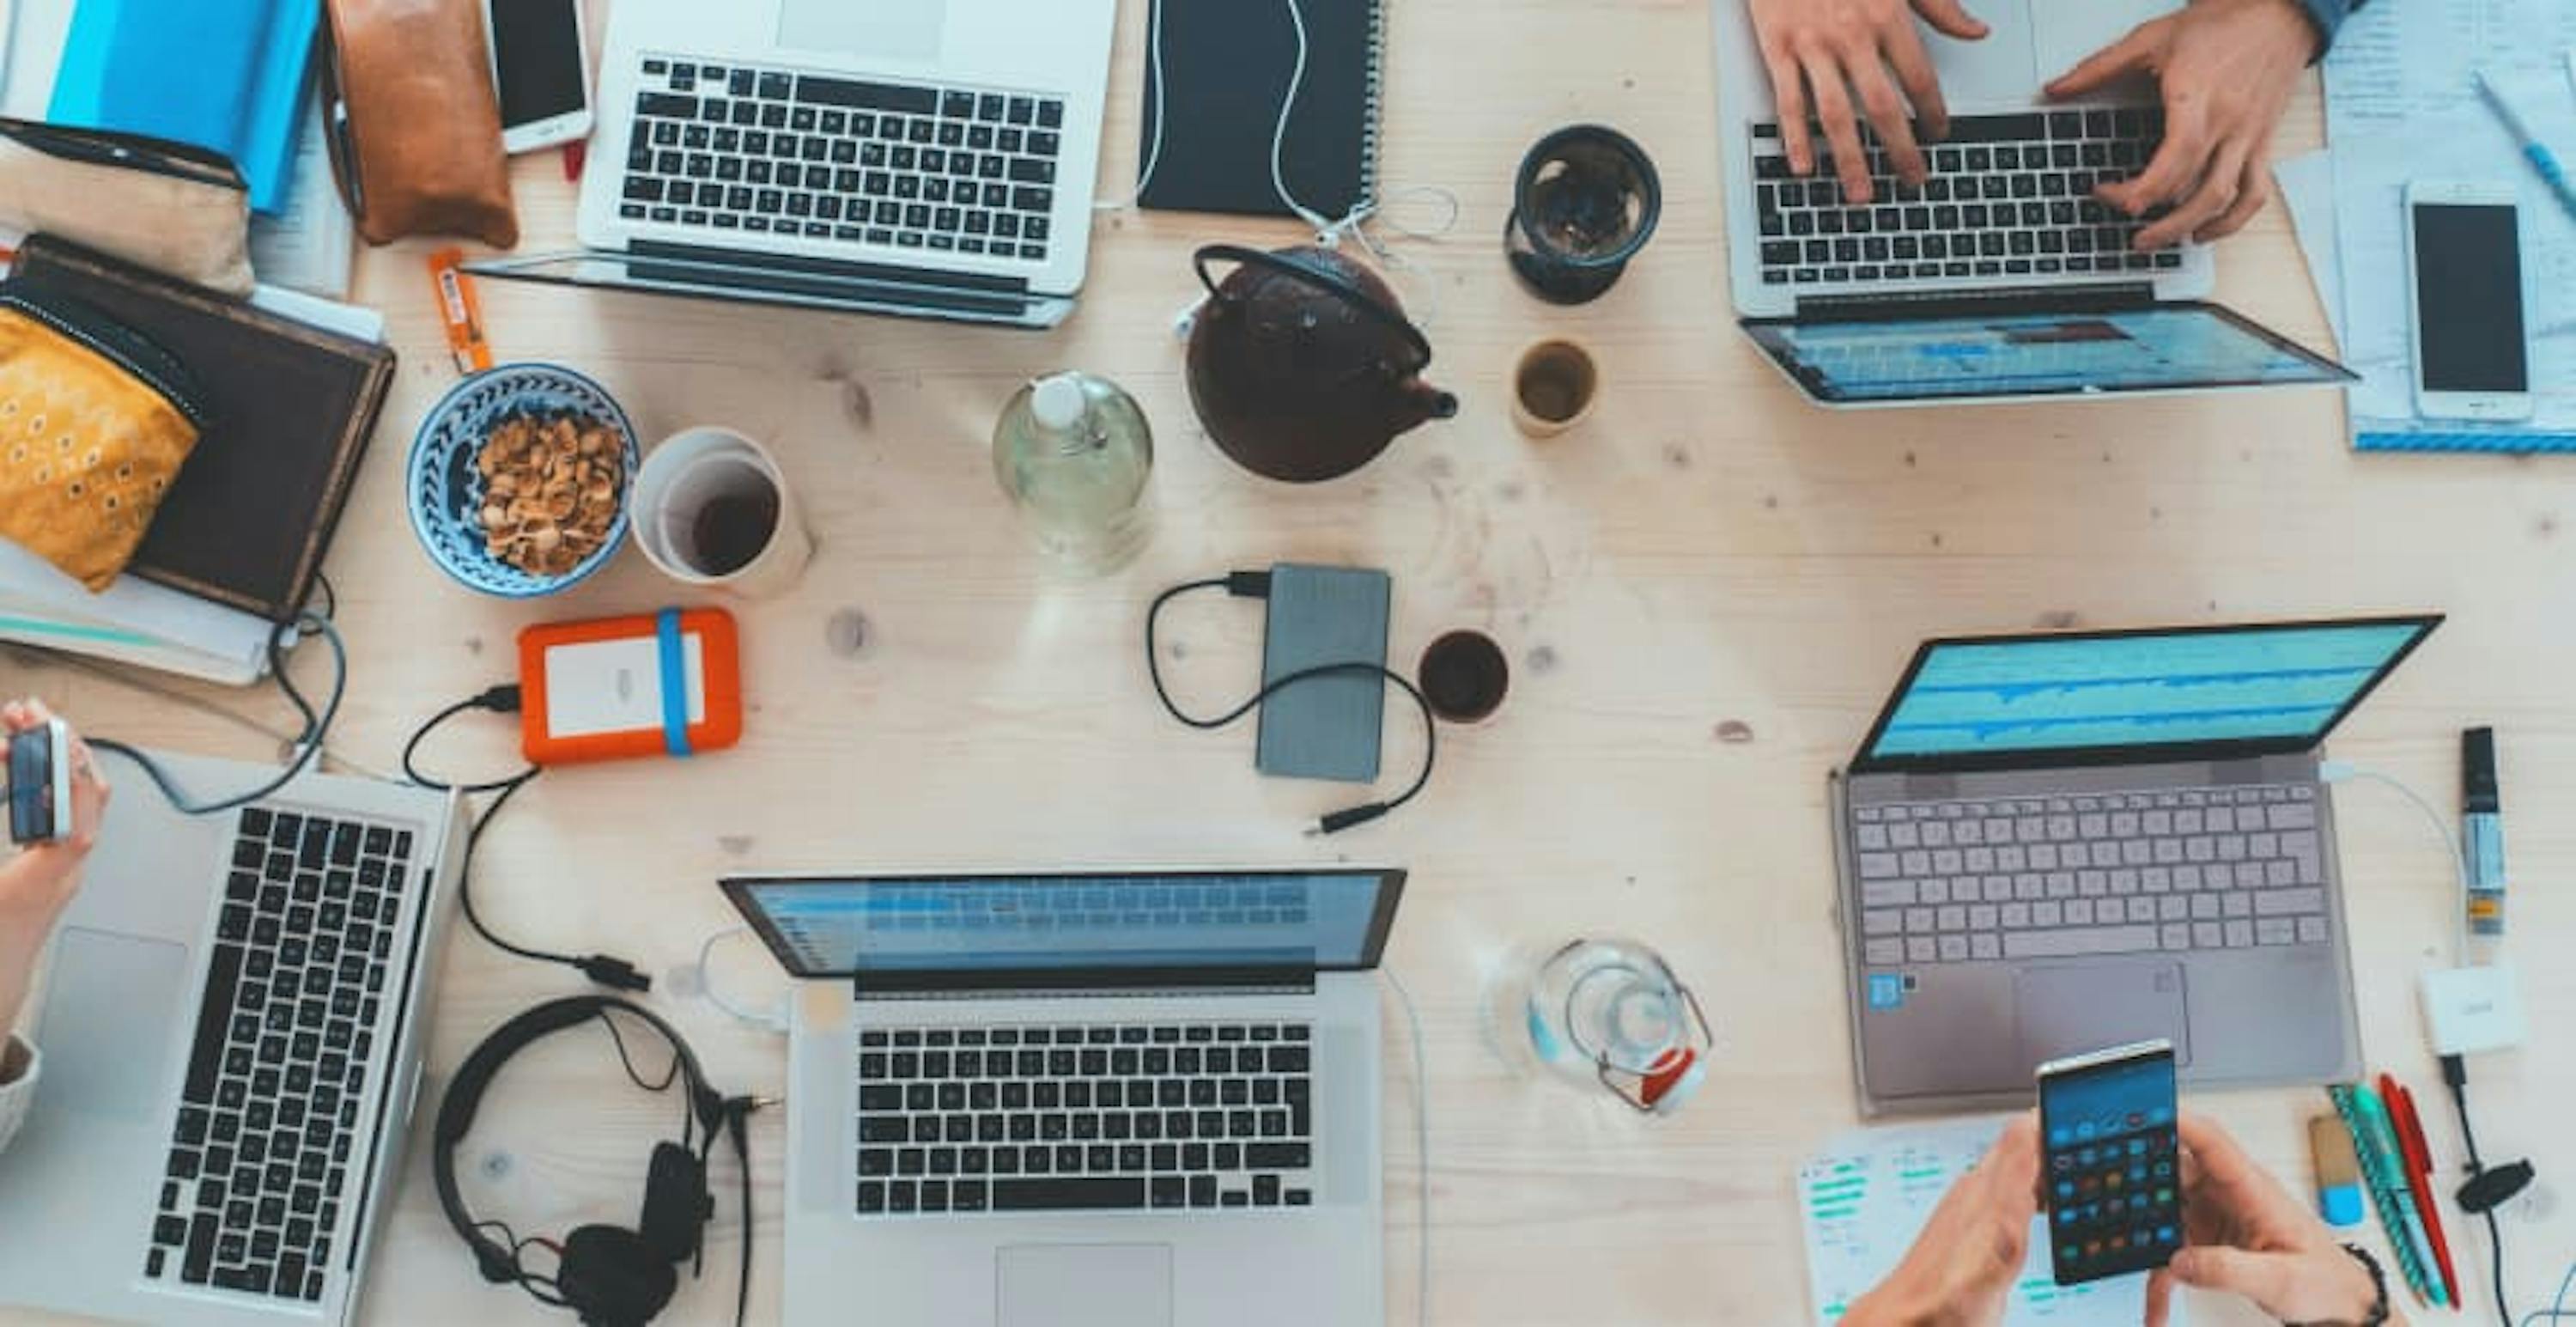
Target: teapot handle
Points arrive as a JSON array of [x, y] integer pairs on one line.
[[1317, 277]]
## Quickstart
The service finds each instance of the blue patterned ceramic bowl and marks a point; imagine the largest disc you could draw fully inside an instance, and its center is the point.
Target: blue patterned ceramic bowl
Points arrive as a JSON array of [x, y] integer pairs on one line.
[[447, 490]]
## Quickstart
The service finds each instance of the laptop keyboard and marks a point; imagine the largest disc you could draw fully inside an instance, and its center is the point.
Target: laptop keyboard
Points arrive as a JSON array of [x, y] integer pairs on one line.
[[2009, 196], [1122, 1116], [735, 149], [2117, 873], [268, 1118]]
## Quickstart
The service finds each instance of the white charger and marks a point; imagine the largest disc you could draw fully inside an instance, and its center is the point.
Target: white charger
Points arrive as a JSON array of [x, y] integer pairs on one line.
[[2474, 1009]]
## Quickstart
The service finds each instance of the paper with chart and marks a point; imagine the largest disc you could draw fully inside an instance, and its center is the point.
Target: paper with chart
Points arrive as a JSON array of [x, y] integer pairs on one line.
[[2402, 104], [1867, 1195]]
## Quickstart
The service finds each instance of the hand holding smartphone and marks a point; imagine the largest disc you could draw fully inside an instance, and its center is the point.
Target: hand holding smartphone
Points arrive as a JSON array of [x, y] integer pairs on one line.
[[2111, 1161], [40, 784]]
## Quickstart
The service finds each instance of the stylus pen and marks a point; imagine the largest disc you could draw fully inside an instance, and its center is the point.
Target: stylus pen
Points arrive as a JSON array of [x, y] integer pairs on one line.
[[2533, 150], [2482, 833]]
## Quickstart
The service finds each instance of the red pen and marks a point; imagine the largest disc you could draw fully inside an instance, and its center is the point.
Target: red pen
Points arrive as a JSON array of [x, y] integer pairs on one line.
[[2419, 1174]]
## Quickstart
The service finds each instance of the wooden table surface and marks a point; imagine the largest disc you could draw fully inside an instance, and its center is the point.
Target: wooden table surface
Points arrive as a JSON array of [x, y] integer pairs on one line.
[[1705, 593]]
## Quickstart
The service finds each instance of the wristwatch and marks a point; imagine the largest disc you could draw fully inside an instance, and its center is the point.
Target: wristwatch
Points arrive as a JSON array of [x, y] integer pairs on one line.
[[2377, 1315]]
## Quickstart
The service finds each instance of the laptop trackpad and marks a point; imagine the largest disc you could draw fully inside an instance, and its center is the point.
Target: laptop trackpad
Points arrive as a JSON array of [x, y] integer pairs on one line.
[[898, 30], [106, 1015], [1086, 1285], [2001, 67], [2065, 1011]]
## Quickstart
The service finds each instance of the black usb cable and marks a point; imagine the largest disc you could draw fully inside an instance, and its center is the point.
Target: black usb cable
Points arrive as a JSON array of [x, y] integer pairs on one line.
[[1256, 585], [604, 969]]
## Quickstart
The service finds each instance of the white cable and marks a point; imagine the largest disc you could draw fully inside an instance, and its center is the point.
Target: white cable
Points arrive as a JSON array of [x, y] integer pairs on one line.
[[1154, 150], [1421, 1144], [1325, 230], [773, 1021], [2339, 771]]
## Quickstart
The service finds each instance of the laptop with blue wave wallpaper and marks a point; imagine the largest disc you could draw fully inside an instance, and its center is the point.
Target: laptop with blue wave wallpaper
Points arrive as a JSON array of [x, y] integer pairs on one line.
[[2052, 844]]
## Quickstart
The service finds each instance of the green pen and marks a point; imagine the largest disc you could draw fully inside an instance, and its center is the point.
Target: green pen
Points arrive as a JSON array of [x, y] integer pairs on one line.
[[2383, 1158]]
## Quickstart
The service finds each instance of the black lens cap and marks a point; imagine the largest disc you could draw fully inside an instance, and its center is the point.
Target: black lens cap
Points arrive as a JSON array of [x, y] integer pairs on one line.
[[1464, 676]]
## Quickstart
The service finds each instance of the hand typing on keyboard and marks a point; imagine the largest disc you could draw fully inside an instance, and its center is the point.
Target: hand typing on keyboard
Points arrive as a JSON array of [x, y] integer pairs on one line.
[[2224, 69], [1823, 54]]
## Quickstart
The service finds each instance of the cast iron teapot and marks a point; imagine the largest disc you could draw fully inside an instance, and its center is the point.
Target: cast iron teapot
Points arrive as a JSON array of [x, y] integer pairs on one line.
[[1303, 365]]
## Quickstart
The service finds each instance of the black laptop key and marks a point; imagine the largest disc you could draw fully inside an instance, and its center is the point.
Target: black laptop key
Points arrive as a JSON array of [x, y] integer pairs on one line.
[[223, 975], [1273, 1156], [664, 104], [1171, 1191], [1066, 1194]]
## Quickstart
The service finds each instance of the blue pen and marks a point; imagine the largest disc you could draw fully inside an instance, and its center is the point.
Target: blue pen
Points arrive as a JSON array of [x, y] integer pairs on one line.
[[2533, 150]]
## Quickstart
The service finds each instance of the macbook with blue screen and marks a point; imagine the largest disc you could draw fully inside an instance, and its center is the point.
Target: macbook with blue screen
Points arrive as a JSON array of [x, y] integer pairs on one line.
[[1083, 1100], [2051, 844]]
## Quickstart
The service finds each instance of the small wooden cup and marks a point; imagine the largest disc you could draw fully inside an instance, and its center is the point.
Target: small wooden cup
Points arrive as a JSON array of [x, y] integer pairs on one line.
[[1553, 387]]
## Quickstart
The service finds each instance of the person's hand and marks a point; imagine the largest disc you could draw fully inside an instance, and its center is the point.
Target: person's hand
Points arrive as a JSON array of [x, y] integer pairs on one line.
[[2244, 1234], [39, 882], [1824, 54], [2226, 68], [1961, 1270]]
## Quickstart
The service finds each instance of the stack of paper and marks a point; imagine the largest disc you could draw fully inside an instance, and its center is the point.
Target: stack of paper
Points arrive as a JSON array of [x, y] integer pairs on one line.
[[2401, 105], [1867, 1196], [135, 621]]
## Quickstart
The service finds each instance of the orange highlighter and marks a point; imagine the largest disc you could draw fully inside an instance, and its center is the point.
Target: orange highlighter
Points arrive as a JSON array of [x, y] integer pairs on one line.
[[660, 684]]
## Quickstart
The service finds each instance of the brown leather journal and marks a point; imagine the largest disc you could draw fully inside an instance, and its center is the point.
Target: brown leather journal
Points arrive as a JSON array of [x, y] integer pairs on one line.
[[416, 127], [288, 410]]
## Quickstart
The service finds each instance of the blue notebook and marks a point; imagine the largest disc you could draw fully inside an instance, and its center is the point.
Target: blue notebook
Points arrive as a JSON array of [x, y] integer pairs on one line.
[[228, 75]]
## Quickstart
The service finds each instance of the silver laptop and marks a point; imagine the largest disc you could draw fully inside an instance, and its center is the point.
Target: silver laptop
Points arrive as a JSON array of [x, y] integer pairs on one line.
[[2051, 844], [2000, 278], [924, 157], [1083, 1100], [232, 1050]]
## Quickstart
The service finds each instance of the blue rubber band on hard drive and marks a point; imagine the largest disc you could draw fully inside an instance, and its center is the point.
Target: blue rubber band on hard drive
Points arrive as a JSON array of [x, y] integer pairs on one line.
[[675, 685]]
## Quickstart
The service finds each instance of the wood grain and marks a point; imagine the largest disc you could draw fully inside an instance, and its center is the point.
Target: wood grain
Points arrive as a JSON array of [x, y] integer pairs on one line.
[[1705, 592]]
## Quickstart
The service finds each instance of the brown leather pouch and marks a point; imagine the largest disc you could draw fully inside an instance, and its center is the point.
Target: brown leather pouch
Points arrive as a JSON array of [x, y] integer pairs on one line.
[[416, 129]]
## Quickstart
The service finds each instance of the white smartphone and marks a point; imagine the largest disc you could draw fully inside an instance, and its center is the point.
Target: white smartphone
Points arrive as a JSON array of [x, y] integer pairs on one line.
[[541, 66], [2464, 253]]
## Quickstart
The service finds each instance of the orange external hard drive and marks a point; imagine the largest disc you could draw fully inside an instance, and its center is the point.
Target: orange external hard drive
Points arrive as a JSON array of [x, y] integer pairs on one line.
[[665, 684]]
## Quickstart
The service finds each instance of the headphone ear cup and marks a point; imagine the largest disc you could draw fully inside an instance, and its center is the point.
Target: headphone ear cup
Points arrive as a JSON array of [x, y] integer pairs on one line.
[[677, 1205], [612, 1278]]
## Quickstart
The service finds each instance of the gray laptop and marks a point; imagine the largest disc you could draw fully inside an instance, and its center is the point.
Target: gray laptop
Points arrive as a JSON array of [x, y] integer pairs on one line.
[[2000, 278], [1099, 1100], [232, 1048], [2050, 844]]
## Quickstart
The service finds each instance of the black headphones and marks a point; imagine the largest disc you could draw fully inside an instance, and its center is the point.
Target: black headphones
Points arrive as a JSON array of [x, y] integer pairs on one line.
[[610, 1275]]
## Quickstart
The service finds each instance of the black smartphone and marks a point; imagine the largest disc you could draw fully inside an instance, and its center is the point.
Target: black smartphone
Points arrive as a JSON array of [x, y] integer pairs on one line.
[[2111, 1161], [40, 784]]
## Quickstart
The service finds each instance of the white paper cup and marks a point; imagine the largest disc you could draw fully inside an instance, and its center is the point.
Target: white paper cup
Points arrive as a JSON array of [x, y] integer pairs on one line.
[[713, 509]]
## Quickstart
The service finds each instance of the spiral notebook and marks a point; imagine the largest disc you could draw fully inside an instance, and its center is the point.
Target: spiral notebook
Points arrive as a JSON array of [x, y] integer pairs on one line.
[[1219, 78]]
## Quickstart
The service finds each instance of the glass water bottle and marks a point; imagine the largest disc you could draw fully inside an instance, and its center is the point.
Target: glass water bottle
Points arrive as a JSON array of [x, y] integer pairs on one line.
[[1074, 452]]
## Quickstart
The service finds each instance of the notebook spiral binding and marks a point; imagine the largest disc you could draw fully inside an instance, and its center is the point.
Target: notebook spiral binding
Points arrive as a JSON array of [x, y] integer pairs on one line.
[[1374, 105]]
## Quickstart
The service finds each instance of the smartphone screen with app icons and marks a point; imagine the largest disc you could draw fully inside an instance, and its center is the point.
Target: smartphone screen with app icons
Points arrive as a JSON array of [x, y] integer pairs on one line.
[[2111, 1158]]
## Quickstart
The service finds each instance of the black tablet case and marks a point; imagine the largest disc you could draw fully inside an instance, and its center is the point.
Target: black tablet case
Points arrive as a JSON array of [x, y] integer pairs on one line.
[[290, 408], [1226, 65]]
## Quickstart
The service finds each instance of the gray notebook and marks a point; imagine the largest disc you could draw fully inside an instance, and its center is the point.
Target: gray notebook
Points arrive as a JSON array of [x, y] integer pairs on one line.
[[1324, 727]]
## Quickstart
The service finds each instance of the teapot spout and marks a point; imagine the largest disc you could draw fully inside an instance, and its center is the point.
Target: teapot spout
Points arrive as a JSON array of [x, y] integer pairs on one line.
[[1421, 403]]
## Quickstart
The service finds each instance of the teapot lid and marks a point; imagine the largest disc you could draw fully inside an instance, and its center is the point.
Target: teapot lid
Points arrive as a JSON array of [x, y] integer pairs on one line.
[[1321, 277]]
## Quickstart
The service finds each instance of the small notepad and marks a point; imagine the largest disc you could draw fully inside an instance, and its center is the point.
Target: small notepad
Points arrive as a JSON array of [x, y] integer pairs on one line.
[[1225, 71]]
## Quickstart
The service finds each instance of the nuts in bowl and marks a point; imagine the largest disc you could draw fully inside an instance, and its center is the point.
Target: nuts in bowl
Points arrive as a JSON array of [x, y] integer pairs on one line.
[[551, 491], [518, 480]]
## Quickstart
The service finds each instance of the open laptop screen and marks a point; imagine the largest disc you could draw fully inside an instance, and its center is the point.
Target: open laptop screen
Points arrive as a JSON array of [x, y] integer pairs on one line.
[[2163, 347], [1162, 923], [2207, 692]]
